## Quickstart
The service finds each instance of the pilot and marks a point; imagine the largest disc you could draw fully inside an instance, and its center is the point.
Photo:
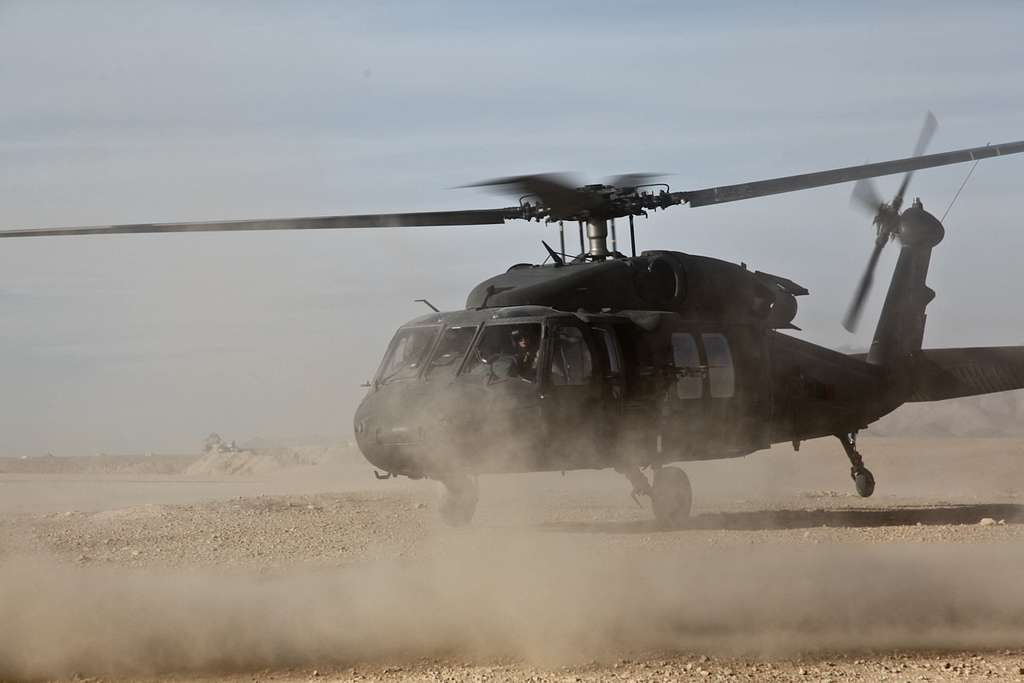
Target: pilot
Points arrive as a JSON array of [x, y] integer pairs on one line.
[[525, 344]]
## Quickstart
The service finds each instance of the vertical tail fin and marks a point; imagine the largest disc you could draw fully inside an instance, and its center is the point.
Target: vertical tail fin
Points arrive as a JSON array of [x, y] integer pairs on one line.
[[900, 330]]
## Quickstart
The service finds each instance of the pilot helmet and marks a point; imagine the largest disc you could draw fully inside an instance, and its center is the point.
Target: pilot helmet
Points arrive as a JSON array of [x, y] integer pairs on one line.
[[518, 334]]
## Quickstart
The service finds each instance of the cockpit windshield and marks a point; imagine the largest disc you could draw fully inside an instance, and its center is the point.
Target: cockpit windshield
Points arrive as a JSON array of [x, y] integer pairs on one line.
[[450, 351], [406, 354]]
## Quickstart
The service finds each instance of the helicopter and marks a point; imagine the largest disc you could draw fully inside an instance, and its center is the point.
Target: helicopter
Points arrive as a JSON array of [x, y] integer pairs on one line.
[[602, 360]]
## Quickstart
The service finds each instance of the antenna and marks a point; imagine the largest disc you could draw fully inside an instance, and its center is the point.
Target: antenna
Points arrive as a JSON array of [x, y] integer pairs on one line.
[[959, 190], [434, 308], [553, 254]]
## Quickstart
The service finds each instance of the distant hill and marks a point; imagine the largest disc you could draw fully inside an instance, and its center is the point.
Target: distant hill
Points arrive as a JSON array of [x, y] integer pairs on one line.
[[989, 415]]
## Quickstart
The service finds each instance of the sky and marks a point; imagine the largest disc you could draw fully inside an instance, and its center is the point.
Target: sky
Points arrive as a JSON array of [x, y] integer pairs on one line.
[[136, 112]]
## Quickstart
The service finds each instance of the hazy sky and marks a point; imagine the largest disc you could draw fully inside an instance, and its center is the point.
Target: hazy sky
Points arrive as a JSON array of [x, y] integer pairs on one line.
[[130, 112]]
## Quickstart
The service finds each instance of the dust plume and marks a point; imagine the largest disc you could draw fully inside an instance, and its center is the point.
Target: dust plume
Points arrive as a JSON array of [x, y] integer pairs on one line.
[[510, 597]]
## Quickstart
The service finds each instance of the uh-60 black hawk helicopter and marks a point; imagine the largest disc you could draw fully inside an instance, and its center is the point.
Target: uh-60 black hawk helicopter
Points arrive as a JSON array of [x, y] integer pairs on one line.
[[607, 361]]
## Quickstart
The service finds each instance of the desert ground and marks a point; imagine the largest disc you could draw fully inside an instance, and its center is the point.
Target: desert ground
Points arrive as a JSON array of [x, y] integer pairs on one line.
[[248, 567]]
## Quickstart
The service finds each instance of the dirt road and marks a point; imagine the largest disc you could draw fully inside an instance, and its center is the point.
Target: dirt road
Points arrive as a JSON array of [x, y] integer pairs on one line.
[[322, 573]]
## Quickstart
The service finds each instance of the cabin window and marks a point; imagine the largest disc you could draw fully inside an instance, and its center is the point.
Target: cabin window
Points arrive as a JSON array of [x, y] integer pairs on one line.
[[606, 342], [406, 354], [450, 351], [686, 359], [571, 363], [720, 368], [505, 352]]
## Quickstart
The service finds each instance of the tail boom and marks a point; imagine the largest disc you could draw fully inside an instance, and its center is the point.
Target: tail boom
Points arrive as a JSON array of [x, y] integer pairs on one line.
[[940, 374]]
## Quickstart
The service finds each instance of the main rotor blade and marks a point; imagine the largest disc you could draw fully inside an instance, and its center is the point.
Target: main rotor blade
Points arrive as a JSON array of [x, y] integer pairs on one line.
[[731, 193], [632, 180], [557, 191], [372, 220], [927, 131], [861, 295]]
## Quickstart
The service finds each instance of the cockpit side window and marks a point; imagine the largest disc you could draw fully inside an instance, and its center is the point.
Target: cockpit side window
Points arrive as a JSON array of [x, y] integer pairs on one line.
[[450, 351], [506, 351], [406, 354], [571, 362]]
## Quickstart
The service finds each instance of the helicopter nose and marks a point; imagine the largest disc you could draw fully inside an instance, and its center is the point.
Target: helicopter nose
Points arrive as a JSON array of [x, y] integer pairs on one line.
[[376, 453], [365, 426], [383, 438]]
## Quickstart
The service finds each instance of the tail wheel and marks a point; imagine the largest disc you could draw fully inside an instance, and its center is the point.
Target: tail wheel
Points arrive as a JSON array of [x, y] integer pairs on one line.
[[864, 481], [671, 497]]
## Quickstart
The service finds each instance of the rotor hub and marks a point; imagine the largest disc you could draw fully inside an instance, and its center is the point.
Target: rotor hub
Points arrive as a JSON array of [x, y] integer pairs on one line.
[[590, 202]]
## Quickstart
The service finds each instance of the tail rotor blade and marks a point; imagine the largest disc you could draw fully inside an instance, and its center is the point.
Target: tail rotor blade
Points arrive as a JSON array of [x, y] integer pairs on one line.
[[927, 132], [865, 194], [863, 288]]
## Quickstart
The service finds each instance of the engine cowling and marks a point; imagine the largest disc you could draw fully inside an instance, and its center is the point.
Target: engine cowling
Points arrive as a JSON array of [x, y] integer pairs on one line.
[[783, 304]]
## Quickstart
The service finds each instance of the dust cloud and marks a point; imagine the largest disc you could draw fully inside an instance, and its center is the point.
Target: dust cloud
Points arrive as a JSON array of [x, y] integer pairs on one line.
[[532, 597]]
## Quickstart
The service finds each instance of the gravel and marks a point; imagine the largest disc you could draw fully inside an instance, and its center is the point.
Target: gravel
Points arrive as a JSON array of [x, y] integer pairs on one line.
[[364, 525]]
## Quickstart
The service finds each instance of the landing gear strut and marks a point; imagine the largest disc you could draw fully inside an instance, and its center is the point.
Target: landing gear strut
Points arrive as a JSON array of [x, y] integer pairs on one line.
[[459, 501], [863, 480], [671, 495]]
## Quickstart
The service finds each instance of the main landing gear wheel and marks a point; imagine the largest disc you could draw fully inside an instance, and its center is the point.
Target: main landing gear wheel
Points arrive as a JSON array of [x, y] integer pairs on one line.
[[459, 501], [671, 497], [863, 480]]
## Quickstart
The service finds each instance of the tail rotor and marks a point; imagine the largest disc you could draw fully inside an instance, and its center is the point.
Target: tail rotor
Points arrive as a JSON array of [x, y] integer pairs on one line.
[[886, 219]]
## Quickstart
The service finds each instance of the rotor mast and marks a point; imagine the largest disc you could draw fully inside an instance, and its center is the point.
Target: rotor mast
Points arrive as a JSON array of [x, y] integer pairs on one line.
[[597, 236]]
